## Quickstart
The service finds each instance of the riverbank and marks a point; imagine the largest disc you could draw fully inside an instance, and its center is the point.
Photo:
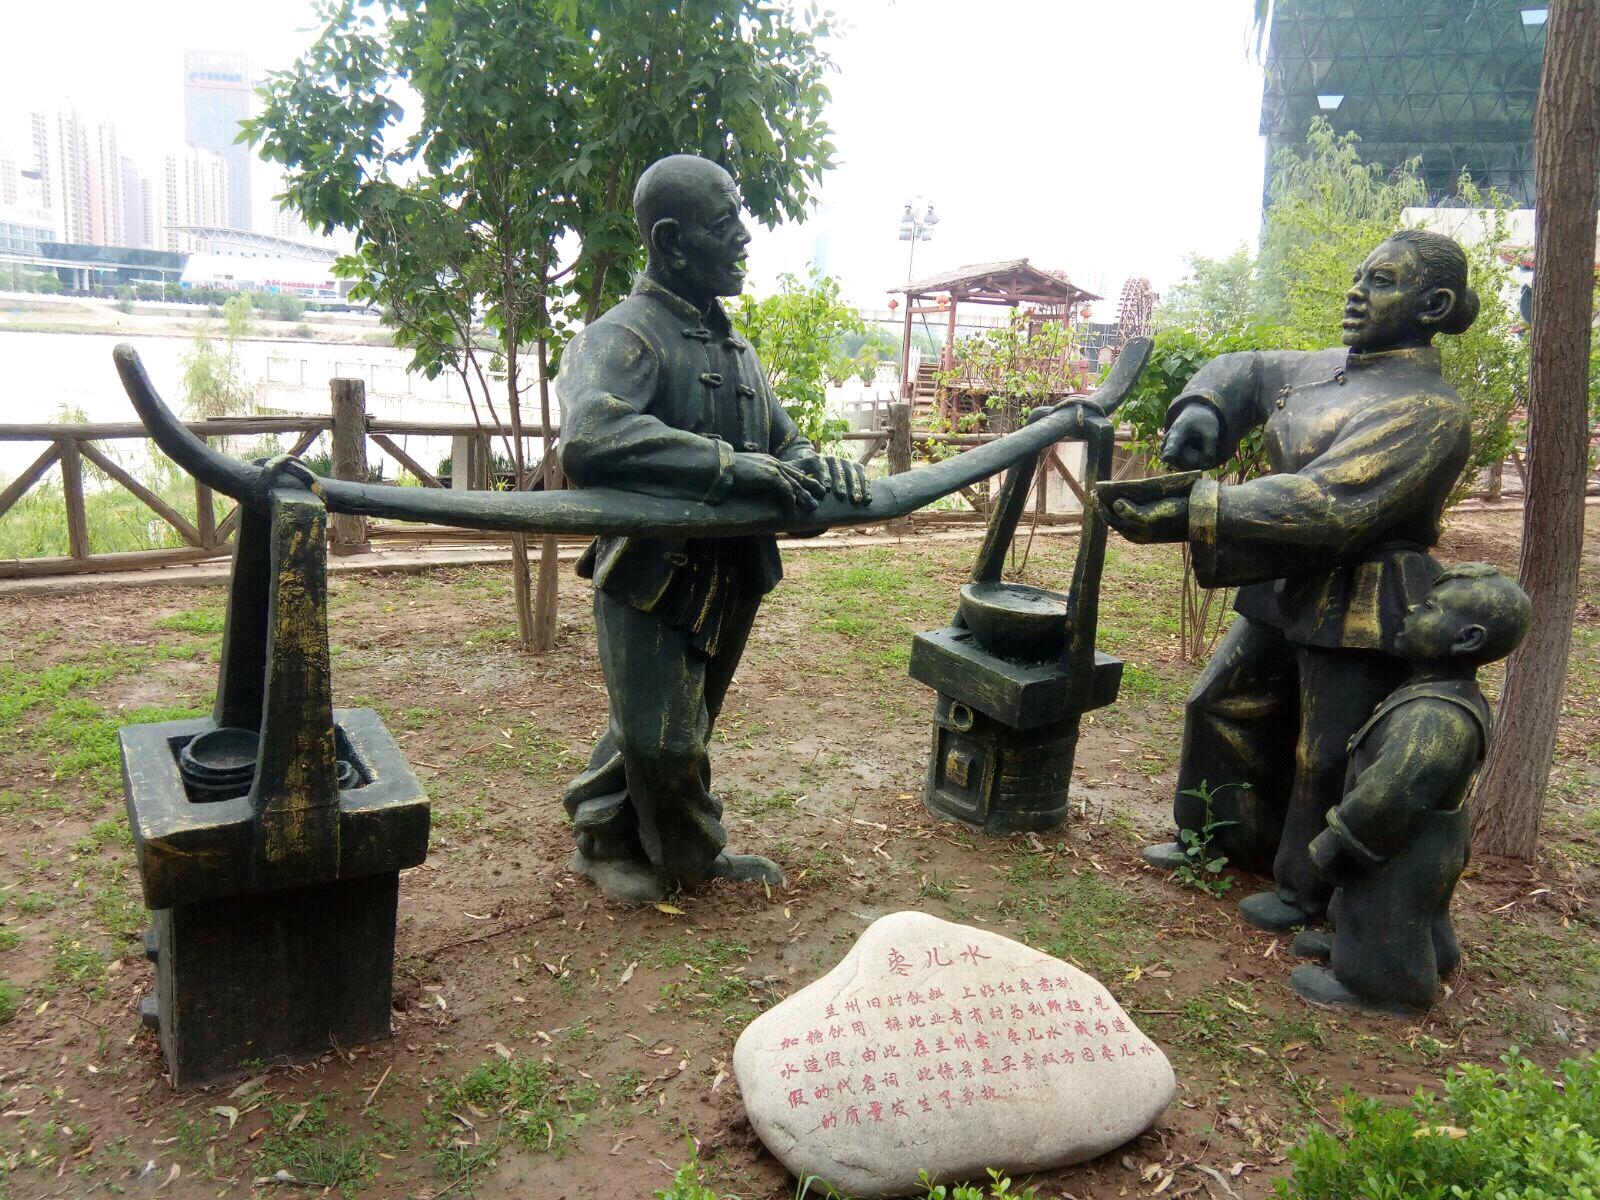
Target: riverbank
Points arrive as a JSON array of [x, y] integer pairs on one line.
[[22, 312]]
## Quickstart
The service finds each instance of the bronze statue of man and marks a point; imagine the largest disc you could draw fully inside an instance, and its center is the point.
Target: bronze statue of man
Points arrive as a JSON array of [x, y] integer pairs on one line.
[[660, 396], [1329, 553]]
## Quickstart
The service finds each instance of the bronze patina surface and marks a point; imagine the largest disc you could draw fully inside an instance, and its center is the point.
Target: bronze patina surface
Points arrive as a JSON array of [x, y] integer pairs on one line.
[[1397, 842], [1329, 553], [271, 864], [1017, 667]]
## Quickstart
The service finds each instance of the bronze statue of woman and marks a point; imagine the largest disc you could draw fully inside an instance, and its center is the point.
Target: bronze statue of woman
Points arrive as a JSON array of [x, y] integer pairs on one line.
[[1328, 552]]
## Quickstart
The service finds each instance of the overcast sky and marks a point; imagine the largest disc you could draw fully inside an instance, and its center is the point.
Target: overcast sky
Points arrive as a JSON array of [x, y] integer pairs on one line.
[[1104, 139]]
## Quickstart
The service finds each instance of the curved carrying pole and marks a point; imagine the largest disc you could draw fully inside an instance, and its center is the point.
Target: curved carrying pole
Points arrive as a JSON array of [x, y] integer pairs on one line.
[[612, 511]]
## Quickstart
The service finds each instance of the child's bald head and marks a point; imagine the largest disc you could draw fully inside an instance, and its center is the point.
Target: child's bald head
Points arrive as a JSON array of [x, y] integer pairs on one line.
[[1472, 615]]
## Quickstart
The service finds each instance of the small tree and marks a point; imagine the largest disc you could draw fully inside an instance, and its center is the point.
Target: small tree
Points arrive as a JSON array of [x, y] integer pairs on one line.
[[211, 382], [1023, 363], [1326, 212], [535, 118], [799, 333], [1219, 296], [1509, 804]]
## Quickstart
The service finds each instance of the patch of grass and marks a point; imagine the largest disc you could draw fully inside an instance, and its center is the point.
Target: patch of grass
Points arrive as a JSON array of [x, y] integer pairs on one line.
[[516, 1102], [315, 1151], [80, 964], [35, 902], [195, 620], [1072, 914], [760, 804], [10, 1000], [700, 955], [622, 1087], [82, 738], [534, 751], [10, 939]]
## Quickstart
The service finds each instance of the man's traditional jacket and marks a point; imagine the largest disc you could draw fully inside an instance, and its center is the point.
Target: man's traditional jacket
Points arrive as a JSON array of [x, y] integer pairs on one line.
[[1364, 448], [657, 397]]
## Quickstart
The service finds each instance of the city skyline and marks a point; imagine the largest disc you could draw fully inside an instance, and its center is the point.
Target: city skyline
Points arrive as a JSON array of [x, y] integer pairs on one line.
[[65, 175]]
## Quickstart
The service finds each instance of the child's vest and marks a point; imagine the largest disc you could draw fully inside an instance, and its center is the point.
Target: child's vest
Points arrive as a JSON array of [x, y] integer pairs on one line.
[[1463, 693]]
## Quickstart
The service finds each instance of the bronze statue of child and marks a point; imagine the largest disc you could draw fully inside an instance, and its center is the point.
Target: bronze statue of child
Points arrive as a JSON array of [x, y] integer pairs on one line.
[[1397, 843]]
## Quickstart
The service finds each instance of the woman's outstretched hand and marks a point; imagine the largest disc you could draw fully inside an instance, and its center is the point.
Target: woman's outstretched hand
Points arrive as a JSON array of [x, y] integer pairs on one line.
[[1191, 443]]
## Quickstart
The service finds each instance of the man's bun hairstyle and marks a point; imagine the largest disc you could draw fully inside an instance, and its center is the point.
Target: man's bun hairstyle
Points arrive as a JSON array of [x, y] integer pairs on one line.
[[1444, 264]]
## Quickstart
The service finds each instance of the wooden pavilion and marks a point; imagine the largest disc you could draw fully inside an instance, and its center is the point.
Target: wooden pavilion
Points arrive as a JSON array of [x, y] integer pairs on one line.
[[1049, 295]]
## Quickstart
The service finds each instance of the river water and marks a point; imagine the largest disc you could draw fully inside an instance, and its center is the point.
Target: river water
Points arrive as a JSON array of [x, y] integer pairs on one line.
[[42, 374]]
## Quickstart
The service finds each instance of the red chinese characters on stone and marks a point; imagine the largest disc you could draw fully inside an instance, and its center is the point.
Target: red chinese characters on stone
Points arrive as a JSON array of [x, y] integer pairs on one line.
[[863, 1039]]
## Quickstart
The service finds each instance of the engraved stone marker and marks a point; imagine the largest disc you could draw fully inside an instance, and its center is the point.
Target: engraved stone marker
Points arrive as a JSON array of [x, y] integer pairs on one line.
[[940, 1047]]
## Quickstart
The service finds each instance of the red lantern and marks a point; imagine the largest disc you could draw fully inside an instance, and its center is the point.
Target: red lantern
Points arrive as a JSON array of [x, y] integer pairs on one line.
[[1086, 311], [893, 304]]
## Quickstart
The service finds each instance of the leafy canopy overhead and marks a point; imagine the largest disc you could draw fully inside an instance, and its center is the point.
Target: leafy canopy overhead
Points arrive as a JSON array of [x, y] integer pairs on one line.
[[1329, 208], [467, 142]]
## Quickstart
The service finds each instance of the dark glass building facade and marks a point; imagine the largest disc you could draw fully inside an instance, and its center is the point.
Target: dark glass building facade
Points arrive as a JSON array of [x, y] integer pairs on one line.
[[216, 97], [1453, 81]]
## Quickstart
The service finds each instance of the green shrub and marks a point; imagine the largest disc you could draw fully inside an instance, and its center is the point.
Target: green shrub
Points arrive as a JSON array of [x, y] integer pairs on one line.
[[10, 1000], [1515, 1135]]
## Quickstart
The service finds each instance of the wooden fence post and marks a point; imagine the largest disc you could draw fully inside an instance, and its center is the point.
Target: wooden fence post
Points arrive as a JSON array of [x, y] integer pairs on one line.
[[72, 493], [349, 402], [899, 438], [900, 454]]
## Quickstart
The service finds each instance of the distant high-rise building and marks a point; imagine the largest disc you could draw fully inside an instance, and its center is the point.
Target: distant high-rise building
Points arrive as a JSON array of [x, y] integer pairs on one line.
[[132, 217], [1449, 81], [194, 190], [82, 177], [39, 131], [10, 178], [216, 98]]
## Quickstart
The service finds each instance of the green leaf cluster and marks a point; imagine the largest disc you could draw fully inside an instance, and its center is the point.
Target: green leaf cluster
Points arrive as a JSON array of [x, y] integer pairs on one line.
[[1519, 1134], [484, 152], [799, 333], [1023, 363], [1327, 209]]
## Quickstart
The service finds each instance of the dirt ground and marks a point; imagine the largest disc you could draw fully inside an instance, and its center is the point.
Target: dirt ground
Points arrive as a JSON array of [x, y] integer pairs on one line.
[[549, 1045]]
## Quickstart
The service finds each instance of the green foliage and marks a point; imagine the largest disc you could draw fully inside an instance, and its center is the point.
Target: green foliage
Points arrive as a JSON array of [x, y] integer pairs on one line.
[[869, 346], [1201, 869], [211, 381], [798, 333], [17, 278], [531, 1106], [1174, 358], [689, 1181], [125, 299], [10, 1000], [280, 306], [1513, 1135], [999, 1189], [1488, 364], [315, 1150], [1326, 212], [533, 120], [1220, 297], [1023, 363]]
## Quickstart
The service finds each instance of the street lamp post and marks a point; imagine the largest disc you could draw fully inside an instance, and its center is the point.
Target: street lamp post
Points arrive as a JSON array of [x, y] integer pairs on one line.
[[914, 228]]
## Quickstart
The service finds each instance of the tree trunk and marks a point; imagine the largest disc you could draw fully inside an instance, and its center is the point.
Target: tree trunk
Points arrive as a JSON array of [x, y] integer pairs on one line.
[[1566, 132], [522, 586], [545, 596]]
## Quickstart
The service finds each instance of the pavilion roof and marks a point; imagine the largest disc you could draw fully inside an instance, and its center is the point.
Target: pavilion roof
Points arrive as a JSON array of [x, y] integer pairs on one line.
[[1014, 281]]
